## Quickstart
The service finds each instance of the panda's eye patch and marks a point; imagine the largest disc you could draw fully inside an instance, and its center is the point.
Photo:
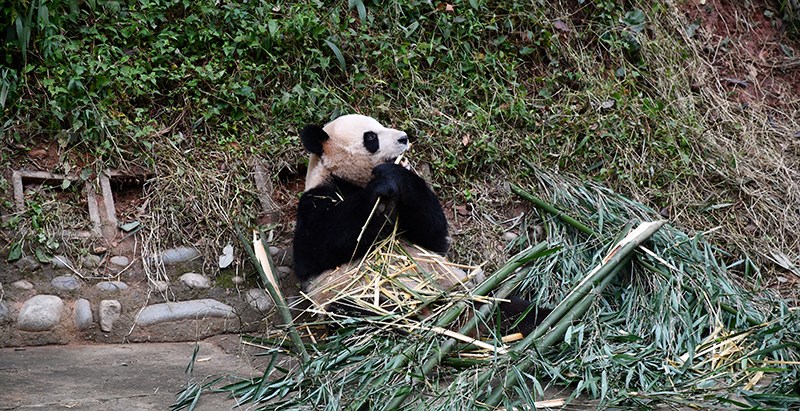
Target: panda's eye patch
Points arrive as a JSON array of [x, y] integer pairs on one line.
[[371, 142]]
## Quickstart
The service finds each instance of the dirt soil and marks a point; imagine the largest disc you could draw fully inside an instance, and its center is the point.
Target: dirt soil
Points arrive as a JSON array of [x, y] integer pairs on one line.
[[748, 43]]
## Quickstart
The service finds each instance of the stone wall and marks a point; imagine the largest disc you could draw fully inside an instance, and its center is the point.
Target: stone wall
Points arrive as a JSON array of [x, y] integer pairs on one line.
[[55, 304]]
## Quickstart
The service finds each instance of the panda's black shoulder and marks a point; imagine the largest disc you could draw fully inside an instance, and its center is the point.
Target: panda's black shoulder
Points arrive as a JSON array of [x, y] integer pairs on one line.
[[335, 188], [326, 195]]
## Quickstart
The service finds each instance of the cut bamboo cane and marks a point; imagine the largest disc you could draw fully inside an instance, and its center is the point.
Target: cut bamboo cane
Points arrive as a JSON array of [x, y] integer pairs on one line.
[[263, 259], [577, 301], [277, 298], [401, 359], [552, 210], [615, 256], [518, 261]]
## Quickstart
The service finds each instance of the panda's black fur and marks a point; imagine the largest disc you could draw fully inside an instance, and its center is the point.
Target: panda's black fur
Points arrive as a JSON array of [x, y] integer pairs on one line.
[[331, 217], [331, 214]]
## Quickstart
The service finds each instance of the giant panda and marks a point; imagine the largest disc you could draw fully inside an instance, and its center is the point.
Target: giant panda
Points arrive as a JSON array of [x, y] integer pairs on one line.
[[354, 195]]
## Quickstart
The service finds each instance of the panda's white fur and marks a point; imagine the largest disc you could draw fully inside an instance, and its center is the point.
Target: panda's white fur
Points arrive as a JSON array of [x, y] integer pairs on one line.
[[344, 152]]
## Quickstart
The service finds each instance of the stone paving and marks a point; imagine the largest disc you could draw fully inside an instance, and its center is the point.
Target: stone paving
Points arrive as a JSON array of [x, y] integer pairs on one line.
[[44, 304], [102, 377]]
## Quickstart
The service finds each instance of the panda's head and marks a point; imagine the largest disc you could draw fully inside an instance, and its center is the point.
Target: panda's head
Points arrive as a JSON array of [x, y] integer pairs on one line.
[[349, 147]]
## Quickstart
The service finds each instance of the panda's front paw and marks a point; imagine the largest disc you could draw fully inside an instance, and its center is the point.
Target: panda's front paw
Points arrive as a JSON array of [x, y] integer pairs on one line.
[[385, 182], [390, 171], [386, 189]]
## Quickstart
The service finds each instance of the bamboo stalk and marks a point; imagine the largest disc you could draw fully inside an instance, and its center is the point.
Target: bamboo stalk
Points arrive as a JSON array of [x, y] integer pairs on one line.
[[452, 314], [577, 302], [615, 257], [578, 310], [277, 298], [552, 210], [554, 335], [479, 316]]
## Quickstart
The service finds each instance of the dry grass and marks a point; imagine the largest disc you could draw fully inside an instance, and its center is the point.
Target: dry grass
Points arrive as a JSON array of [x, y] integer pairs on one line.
[[195, 199], [749, 180], [705, 160], [660, 125]]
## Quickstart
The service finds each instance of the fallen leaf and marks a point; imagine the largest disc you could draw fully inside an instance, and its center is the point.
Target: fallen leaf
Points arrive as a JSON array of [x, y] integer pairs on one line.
[[226, 258], [130, 226], [608, 104], [465, 140], [38, 153], [462, 210], [560, 25]]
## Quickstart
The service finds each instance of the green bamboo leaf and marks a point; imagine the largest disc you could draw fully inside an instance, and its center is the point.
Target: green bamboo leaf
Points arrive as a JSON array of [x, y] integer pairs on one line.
[[338, 54], [774, 348], [359, 6], [44, 15], [16, 251], [190, 366], [21, 35], [41, 255]]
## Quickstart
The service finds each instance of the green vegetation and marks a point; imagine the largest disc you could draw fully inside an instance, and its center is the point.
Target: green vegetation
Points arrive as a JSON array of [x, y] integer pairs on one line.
[[595, 89], [482, 84], [618, 92], [611, 91]]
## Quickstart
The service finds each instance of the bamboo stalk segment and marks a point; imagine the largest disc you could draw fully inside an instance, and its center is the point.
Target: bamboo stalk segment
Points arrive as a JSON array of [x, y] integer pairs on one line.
[[277, 297], [578, 301]]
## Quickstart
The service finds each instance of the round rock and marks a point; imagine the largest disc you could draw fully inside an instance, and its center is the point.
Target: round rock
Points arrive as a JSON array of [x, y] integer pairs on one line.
[[160, 286], [61, 261], [111, 285], [119, 260], [258, 300], [92, 261], [22, 285], [66, 283], [109, 311], [184, 310], [83, 314], [40, 313], [509, 236], [179, 255], [194, 280], [28, 264]]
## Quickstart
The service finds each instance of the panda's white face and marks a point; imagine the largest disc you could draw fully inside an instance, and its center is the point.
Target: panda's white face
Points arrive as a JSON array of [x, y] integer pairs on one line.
[[358, 143]]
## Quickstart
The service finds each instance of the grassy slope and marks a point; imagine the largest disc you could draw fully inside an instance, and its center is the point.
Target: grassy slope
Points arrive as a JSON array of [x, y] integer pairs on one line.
[[605, 90]]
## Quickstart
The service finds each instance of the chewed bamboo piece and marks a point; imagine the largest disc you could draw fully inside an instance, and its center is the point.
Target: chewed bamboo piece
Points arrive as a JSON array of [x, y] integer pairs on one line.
[[390, 282]]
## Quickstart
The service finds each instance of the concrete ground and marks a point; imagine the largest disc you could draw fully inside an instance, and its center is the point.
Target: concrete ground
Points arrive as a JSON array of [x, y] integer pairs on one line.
[[116, 377]]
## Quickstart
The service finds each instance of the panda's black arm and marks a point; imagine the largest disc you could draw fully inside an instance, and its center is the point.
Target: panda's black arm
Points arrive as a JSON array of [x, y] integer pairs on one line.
[[419, 211], [328, 227]]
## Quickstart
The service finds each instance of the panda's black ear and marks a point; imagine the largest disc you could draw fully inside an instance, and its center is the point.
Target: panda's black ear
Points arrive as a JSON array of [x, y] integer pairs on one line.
[[312, 137]]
